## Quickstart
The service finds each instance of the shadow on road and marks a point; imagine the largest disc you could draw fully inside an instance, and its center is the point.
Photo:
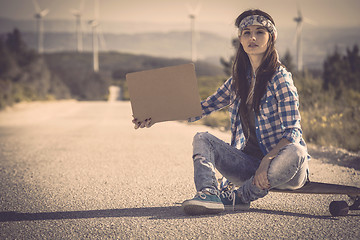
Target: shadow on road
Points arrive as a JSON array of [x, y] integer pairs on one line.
[[173, 212]]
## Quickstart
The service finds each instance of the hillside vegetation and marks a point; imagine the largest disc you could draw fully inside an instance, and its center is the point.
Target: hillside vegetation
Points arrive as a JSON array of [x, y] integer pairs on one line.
[[24, 75], [27, 76]]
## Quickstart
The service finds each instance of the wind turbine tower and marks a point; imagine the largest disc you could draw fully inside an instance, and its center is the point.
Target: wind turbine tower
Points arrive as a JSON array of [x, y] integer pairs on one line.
[[193, 15], [95, 40], [299, 24], [79, 31], [193, 38], [39, 15]]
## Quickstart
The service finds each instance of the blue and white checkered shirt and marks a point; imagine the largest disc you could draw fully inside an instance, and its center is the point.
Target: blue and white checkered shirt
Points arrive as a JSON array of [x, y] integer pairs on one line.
[[278, 118]]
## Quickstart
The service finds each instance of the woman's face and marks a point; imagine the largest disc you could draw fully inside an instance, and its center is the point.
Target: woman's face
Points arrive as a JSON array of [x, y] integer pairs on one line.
[[254, 40]]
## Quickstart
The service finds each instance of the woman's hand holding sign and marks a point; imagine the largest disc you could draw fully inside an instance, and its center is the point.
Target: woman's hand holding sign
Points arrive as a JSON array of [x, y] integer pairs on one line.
[[139, 124]]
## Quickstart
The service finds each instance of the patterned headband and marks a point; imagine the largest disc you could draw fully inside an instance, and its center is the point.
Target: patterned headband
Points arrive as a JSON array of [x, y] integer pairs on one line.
[[260, 21]]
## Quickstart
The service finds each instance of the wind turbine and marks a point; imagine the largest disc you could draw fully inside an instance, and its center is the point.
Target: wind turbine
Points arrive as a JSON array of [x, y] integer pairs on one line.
[[79, 31], [39, 15], [95, 41], [299, 25], [193, 12]]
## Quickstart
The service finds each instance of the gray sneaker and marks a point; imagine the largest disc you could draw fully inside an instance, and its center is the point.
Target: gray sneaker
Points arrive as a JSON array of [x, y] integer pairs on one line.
[[203, 203]]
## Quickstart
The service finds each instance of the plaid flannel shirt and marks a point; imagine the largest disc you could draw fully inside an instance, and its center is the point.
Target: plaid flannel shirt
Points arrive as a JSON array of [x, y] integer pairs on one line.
[[278, 118]]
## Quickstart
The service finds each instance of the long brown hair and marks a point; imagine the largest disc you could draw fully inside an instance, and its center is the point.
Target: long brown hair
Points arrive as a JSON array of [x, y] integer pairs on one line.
[[242, 68]]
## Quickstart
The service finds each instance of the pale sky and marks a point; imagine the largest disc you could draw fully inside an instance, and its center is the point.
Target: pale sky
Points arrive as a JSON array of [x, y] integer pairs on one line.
[[323, 12]]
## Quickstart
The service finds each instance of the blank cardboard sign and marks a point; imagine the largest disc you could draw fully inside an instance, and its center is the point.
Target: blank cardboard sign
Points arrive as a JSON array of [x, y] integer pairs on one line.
[[164, 94]]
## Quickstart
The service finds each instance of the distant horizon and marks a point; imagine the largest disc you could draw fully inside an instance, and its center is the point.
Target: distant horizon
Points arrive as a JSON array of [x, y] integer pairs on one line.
[[153, 26], [317, 45]]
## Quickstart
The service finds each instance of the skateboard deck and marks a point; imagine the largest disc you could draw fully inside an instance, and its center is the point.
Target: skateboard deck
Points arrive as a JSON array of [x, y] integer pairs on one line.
[[337, 208]]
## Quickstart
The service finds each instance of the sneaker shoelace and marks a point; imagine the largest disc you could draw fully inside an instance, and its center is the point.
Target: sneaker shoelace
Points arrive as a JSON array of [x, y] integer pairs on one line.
[[201, 195], [230, 194]]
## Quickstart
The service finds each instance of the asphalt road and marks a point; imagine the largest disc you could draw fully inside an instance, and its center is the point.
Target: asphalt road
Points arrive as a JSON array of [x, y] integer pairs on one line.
[[75, 170]]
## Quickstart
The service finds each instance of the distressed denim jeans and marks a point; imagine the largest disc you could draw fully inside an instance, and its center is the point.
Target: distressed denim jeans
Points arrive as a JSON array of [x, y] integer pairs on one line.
[[288, 170]]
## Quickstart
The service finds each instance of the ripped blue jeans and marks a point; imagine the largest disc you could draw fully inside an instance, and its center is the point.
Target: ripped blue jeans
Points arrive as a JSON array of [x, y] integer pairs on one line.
[[288, 170]]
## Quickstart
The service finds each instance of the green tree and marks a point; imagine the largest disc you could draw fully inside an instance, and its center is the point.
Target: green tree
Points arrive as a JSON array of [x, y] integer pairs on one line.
[[287, 60], [15, 44], [24, 75], [353, 60], [342, 71], [5, 60], [334, 72]]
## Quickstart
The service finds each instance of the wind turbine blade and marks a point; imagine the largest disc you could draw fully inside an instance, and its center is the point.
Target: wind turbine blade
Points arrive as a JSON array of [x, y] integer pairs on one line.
[[93, 23], [309, 21], [36, 6], [300, 14], [44, 12], [102, 40], [299, 10]]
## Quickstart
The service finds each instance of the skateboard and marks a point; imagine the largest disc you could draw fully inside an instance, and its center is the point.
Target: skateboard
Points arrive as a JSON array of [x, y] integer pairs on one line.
[[337, 208]]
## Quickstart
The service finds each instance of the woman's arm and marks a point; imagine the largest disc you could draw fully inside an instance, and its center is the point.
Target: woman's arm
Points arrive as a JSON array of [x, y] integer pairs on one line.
[[220, 99], [288, 110], [260, 178], [288, 106]]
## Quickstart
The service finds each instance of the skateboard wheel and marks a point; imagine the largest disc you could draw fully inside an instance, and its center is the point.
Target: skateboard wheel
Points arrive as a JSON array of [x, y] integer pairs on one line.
[[339, 208]]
